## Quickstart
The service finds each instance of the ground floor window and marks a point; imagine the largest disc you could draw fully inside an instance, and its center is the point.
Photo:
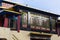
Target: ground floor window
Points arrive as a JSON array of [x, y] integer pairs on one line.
[[40, 37], [3, 39]]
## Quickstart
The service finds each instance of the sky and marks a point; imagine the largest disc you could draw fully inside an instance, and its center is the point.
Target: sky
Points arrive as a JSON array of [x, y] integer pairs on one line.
[[52, 6]]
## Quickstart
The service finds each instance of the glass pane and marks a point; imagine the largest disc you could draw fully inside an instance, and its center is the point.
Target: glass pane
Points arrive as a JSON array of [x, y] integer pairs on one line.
[[13, 22], [24, 19], [45, 22], [53, 21], [39, 21]]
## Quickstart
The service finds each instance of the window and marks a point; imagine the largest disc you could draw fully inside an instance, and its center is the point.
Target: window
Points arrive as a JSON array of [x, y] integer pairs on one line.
[[40, 37], [39, 21], [24, 19], [53, 21], [3, 39], [13, 22]]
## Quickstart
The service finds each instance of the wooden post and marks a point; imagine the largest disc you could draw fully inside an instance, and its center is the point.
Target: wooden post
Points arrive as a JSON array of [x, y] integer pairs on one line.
[[6, 22], [18, 23]]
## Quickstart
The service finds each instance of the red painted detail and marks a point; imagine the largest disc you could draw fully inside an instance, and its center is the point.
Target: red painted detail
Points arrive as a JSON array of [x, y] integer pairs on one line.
[[6, 22], [18, 23]]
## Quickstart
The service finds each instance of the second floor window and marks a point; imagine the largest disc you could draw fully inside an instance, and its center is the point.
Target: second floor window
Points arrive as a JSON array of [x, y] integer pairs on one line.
[[39, 21], [13, 22], [24, 19]]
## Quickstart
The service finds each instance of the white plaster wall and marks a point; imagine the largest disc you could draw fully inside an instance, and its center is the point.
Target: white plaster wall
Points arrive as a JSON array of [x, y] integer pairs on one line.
[[25, 35], [55, 37], [5, 33], [22, 35]]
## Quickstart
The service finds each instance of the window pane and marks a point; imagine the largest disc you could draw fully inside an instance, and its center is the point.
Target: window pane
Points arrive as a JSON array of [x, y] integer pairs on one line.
[[13, 22], [53, 21], [45, 22], [24, 19], [39, 21]]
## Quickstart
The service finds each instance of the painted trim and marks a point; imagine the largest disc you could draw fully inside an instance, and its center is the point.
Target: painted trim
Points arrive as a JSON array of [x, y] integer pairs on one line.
[[12, 11]]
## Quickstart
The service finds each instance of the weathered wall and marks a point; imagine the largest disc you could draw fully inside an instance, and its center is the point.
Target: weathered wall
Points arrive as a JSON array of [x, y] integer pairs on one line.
[[25, 35], [55, 37], [6, 5], [5, 33], [22, 35]]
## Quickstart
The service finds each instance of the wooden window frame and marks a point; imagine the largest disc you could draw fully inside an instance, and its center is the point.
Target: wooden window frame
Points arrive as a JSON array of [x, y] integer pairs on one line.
[[28, 26]]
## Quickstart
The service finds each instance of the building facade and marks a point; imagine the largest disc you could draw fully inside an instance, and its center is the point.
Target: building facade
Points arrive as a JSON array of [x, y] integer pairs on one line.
[[19, 22]]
